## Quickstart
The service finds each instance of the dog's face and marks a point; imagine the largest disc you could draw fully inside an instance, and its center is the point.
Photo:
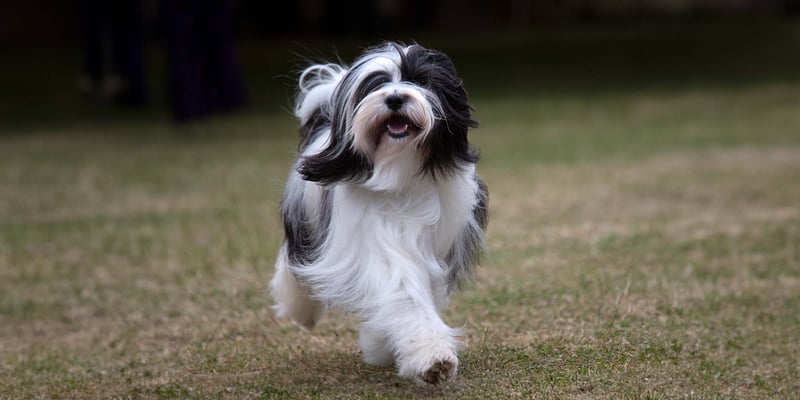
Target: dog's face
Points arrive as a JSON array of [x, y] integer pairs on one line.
[[398, 112]]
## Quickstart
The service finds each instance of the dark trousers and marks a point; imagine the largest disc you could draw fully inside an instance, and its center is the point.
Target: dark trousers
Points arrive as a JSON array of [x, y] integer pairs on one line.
[[114, 32], [203, 67]]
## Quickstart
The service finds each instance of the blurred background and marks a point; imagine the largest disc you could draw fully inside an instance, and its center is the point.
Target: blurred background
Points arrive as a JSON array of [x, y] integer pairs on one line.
[[185, 60]]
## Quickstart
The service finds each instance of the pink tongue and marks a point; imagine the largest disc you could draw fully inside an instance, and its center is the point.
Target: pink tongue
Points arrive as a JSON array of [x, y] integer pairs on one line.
[[397, 127]]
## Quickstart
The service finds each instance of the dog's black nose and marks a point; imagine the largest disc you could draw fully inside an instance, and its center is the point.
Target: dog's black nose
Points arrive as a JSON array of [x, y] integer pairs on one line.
[[394, 102]]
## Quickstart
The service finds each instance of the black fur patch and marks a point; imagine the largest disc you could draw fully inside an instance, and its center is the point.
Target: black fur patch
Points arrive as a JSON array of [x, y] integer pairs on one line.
[[336, 163], [464, 255], [312, 128], [369, 84], [303, 237], [481, 210], [447, 148]]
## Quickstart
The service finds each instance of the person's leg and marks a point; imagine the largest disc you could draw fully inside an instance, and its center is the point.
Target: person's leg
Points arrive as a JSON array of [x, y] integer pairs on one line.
[[93, 22], [127, 39], [185, 72], [224, 78]]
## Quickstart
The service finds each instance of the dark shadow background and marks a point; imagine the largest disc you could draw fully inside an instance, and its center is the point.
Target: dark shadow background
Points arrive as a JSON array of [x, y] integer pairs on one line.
[[502, 48]]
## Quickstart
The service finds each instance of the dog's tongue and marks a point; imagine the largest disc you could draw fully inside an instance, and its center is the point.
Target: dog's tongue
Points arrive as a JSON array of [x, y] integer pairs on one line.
[[397, 127]]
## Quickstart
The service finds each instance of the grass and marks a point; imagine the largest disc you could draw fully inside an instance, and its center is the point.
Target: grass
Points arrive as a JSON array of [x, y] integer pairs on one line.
[[644, 236]]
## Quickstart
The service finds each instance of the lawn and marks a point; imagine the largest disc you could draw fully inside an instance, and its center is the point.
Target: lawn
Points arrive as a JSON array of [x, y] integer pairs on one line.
[[644, 234]]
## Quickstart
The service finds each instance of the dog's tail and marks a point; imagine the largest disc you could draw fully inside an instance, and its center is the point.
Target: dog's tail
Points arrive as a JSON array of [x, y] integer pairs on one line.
[[313, 102]]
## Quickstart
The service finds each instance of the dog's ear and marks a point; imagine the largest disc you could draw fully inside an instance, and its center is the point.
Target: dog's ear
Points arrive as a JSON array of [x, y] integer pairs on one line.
[[447, 148], [339, 161]]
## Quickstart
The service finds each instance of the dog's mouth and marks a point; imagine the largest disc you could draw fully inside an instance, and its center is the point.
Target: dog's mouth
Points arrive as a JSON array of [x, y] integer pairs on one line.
[[399, 127]]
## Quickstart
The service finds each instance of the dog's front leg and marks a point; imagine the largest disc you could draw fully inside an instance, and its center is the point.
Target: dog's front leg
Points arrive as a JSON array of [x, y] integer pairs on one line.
[[424, 346]]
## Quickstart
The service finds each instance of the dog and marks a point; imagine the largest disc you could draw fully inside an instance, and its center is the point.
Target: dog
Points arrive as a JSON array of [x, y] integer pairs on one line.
[[384, 214]]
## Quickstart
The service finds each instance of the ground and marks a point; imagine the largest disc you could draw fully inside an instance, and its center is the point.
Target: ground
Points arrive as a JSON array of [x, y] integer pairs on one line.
[[644, 237]]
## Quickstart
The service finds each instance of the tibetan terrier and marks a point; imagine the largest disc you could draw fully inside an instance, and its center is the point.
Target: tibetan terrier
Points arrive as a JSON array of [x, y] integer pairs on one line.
[[383, 212]]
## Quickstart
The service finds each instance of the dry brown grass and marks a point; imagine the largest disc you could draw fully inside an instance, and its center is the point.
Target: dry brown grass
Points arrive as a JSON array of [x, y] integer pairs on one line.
[[671, 276]]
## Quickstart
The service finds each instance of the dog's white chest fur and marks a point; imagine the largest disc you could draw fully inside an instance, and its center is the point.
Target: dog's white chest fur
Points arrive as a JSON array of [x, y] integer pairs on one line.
[[380, 241]]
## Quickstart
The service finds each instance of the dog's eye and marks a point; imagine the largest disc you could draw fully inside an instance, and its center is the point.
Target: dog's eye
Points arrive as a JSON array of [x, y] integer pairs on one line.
[[375, 81], [422, 81]]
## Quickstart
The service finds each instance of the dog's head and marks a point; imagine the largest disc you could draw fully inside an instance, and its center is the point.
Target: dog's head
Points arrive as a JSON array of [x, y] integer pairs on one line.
[[397, 113]]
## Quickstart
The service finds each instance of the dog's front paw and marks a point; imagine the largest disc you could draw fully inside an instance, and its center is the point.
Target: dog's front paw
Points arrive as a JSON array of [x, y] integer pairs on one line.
[[440, 371], [431, 365]]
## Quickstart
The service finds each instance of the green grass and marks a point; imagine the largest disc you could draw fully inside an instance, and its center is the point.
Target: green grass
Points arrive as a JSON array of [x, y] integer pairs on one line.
[[644, 235]]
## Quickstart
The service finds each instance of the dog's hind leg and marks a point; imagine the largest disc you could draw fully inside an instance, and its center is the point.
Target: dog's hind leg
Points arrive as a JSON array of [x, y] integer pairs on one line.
[[292, 299]]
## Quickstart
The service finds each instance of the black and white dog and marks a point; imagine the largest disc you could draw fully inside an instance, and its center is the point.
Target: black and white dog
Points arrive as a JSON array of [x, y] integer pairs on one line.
[[383, 213]]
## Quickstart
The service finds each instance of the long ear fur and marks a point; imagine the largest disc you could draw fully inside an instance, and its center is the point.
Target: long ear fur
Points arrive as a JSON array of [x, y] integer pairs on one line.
[[447, 147], [324, 104]]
